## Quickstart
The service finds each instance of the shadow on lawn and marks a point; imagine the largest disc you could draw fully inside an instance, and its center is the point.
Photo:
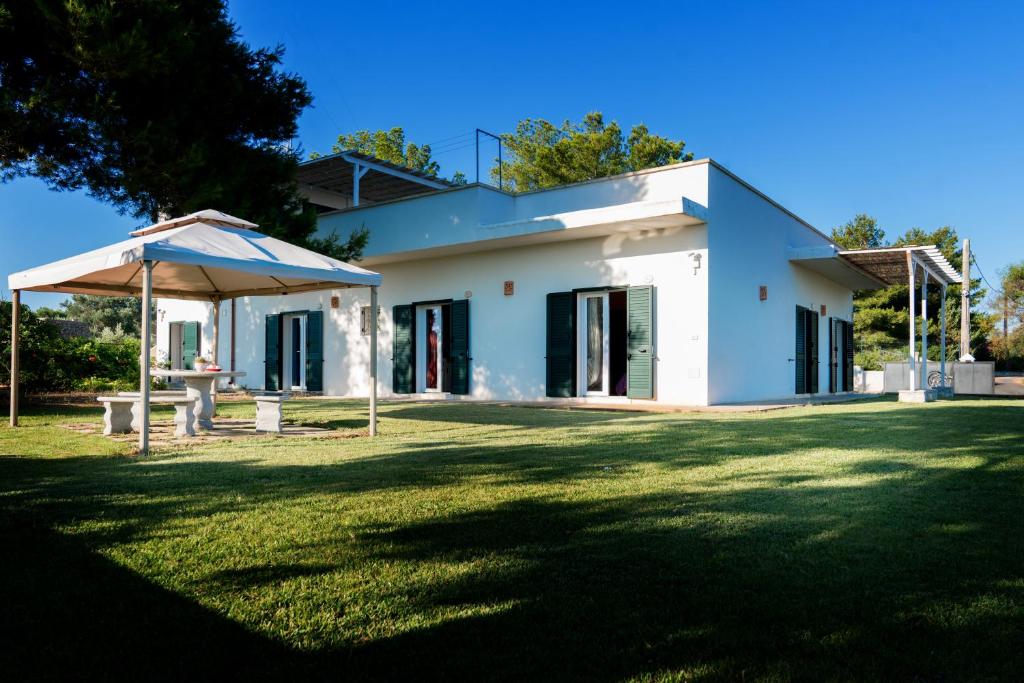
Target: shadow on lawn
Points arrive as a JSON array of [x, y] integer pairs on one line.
[[914, 572]]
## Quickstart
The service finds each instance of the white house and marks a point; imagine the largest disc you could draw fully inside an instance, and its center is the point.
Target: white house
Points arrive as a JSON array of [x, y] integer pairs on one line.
[[677, 285]]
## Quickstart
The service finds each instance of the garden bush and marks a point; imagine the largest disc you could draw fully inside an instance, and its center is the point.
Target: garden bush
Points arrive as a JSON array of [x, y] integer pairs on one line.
[[52, 363]]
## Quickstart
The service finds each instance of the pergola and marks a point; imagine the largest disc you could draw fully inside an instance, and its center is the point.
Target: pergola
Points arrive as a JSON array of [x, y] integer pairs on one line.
[[896, 265], [205, 256]]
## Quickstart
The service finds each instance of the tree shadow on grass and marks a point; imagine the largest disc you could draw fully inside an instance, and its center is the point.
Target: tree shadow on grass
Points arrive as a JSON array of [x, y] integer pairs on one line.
[[901, 566], [69, 613]]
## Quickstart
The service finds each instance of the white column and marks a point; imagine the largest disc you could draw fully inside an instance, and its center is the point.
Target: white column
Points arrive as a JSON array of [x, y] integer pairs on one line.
[[144, 381], [924, 328], [373, 361], [965, 303], [15, 342], [911, 268], [942, 338]]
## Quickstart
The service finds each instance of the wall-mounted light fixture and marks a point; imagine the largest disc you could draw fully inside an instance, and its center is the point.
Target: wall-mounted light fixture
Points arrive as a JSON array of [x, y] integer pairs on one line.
[[695, 258]]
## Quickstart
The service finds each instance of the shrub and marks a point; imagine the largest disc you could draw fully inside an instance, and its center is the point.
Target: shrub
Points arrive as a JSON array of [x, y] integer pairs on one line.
[[51, 363]]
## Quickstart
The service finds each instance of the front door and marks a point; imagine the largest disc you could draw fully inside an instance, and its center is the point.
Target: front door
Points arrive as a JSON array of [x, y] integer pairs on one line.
[[430, 347], [593, 344]]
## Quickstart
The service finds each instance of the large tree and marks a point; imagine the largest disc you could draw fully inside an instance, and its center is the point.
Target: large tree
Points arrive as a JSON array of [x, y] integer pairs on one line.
[[882, 316], [860, 233], [1008, 304], [155, 107], [541, 154]]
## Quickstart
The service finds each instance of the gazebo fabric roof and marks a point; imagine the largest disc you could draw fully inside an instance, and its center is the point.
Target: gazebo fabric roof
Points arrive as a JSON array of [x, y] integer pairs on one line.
[[890, 264], [207, 255]]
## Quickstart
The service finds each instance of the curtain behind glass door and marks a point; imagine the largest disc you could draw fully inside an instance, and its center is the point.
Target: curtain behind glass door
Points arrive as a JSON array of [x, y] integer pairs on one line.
[[595, 343]]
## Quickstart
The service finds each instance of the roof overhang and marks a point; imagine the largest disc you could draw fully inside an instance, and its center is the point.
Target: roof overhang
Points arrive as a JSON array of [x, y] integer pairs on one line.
[[825, 260], [632, 217], [873, 268]]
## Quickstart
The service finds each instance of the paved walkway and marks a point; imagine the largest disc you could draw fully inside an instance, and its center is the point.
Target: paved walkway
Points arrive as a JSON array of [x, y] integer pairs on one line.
[[161, 432]]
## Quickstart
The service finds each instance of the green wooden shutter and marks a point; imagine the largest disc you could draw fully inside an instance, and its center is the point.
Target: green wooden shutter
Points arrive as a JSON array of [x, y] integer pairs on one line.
[[640, 342], [189, 344], [801, 350], [403, 368], [459, 354], [315, 351], [561, 345], [812, 352], [272, 356], [848, 356]]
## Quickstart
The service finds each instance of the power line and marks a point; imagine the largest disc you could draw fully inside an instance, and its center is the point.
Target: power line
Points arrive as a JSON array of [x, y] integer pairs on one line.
[[451, 149], [996, 290], [467, 134]]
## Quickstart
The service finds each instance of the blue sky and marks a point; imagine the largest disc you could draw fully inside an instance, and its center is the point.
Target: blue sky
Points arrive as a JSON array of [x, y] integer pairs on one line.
[[909, 111]]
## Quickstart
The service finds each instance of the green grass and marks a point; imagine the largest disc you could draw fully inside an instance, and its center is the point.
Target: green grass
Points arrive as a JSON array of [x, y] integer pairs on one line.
[[863, 541]]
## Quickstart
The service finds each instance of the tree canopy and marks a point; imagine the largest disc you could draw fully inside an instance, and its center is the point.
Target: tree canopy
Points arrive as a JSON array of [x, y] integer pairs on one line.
[[882, 316], [155, 107], [1008, 304], [541, 154], [860, 233]]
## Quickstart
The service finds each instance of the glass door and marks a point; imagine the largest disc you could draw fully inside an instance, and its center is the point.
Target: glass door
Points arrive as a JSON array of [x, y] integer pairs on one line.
[[593, 344], [430, 349]]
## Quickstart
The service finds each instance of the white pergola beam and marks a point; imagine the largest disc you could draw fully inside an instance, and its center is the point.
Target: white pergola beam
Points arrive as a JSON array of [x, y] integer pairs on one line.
[[924, 330]]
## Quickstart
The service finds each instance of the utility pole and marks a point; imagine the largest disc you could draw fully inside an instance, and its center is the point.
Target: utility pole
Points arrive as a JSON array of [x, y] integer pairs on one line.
[[965, 304]]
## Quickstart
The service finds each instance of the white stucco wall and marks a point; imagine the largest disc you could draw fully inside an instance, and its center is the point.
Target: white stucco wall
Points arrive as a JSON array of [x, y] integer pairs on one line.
[[751, 341], [507, 333]]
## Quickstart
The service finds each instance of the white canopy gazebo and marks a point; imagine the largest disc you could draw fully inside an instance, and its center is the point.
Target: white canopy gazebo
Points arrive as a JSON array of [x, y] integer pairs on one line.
[[205, 256]]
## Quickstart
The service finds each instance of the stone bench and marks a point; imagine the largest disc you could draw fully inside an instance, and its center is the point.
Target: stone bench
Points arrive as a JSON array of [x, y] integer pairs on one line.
[[268, 410], [123, 414], [154, 397]]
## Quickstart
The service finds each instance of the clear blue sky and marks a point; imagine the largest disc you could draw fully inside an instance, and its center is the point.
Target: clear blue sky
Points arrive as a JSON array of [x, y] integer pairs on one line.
[[912, 112]]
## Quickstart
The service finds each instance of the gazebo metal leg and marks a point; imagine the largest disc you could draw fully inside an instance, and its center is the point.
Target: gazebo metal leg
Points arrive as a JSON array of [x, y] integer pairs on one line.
[[15, 369], [144, 379]]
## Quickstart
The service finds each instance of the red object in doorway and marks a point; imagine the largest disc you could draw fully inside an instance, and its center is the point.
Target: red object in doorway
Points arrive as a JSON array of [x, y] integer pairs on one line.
[[431, 349]]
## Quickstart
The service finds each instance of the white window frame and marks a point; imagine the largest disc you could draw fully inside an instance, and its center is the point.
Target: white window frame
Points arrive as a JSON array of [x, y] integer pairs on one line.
[[582, 341]]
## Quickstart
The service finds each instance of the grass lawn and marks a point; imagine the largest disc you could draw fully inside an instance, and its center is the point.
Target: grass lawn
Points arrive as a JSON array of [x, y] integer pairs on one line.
[[863, 541]]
